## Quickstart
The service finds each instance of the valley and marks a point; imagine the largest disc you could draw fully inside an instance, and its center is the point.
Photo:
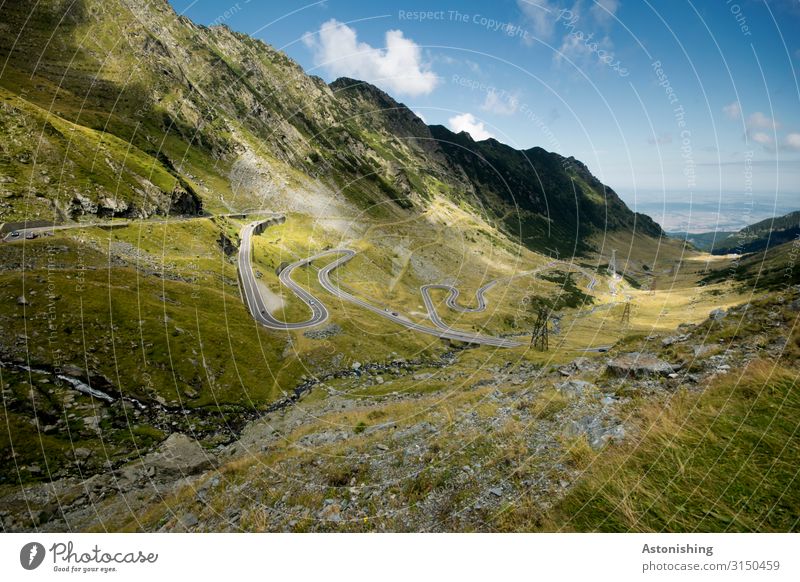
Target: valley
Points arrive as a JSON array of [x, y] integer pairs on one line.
[[235, 297]]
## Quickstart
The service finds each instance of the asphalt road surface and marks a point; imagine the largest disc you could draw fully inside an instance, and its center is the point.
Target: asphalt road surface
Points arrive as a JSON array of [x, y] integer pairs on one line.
[[452, 298], [46, 230], [252, 295]]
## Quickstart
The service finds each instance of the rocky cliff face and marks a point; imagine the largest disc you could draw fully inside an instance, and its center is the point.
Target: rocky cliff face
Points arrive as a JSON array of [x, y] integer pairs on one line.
[[136, 103]]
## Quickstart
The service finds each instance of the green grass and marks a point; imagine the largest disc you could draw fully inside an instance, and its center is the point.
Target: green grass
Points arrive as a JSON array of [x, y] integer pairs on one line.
[[722, 460]]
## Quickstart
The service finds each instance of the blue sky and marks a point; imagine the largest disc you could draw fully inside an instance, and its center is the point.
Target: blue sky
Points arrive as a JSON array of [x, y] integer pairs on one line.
[[667, 101]]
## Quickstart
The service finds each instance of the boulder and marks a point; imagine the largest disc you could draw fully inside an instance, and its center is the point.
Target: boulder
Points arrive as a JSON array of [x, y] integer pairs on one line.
[[178, 456], [639, 364], [112, 207], [332, 511]]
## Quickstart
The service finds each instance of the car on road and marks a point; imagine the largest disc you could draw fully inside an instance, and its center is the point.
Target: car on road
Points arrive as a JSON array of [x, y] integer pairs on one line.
[[15, 234], [30, 235]]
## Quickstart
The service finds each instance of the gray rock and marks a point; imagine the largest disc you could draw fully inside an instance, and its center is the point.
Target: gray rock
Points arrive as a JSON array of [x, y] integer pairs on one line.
[[414, 430], [603, 437], [356, 366], [701, 350], [323, 333], [82, 453], [639, 364], [331, 512], [574, 388], [496, 491], [21, 300], [668, 341], [113, 206], [189, 520], [718, 314], [582, 364], [596, 432], [178, 456], [82, 205]]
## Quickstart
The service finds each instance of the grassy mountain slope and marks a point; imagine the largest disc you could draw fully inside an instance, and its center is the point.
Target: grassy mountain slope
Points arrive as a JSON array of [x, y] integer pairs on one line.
[[721, 459], [544, 198], [761, 235], [705, 241], [753, 238]]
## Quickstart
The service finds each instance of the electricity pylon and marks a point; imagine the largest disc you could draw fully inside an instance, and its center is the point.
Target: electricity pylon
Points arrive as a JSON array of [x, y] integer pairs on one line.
[[539, 337], [626, 313]]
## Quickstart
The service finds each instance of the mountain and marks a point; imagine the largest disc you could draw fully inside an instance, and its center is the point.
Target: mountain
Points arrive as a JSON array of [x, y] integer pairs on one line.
[[450, 378], [548, 199], [129, 110], [760, 236], [705, 241]]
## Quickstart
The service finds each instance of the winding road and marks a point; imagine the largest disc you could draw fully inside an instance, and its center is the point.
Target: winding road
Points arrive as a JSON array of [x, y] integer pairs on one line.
[[479, 294], [252, 294], [319, 313], [425, 290], [259, 311]]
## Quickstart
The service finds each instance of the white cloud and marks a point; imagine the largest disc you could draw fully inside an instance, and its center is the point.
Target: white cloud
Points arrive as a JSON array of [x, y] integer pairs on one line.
[[399, 67], [733, 111], [792, 141], [761, 129], [467, 122], [500, 103], [760, 121], [541, 15], [762, 138]]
